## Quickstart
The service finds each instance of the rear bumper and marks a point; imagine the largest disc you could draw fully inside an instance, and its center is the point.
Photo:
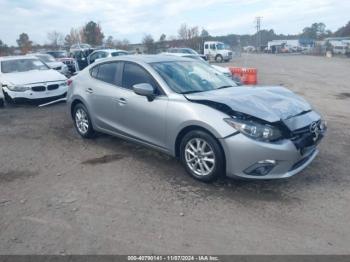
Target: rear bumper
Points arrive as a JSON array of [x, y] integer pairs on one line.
[[244, 154]]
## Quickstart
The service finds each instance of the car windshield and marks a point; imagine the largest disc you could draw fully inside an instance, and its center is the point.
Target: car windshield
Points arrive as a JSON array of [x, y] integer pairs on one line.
[[189, 51], [118, 53], [220, 46], [22, 65], [46, 58], [191, 76], [195, 57], [58, 54]]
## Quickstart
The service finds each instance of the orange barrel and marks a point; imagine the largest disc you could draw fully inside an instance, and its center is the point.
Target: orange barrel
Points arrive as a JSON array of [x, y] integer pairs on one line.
[[251, 76], [236, 71]]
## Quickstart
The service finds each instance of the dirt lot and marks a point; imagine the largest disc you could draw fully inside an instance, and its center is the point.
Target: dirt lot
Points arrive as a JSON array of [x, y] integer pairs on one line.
[[60, 194]]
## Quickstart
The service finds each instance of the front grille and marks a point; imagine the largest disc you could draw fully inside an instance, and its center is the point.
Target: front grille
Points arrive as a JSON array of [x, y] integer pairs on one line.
[[303, 139], [68, 62], [52, 87], [230, 53], [38, 88]]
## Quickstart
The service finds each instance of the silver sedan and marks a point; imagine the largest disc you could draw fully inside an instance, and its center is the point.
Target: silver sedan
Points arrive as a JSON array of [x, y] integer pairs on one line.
[[188, 110]]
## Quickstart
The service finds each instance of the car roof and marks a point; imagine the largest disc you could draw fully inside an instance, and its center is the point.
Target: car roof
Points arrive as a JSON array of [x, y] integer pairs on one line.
[[35, 54], [180, 54], [110, 50], [148, 59], [7, 58]]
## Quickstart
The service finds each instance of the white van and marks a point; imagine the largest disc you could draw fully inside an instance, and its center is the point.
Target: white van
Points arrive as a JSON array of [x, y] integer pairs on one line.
[[217, 51]]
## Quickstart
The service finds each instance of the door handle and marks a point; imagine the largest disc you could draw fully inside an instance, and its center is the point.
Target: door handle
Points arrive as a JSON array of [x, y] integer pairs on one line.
[[121, 101], [89, 90]]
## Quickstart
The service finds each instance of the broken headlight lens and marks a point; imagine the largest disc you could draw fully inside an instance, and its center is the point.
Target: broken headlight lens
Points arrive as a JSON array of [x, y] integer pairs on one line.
[[255, 130]]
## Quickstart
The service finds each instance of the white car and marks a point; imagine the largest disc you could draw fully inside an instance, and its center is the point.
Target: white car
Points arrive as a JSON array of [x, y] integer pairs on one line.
[[53, 63], [28, 78], [104, 53]]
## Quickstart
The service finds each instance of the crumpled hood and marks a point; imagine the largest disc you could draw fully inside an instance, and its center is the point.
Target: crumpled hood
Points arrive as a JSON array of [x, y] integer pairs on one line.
[[270, 103], [34, 76]]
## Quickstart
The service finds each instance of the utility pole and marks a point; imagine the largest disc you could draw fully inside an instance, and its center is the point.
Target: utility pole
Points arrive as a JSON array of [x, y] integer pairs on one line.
[[258, 34]]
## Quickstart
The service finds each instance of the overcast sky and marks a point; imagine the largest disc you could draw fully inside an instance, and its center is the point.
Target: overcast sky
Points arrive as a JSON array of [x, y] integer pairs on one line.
[[132, 19]]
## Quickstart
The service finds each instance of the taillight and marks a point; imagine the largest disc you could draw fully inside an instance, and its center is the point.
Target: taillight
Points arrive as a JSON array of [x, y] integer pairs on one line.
[[69, 82]]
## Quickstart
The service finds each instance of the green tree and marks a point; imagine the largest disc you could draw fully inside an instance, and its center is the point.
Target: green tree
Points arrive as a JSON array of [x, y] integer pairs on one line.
[[315, 31], [24, 43], [343, 31], [148, 42], [162, 38], [92, 34], [4, 49], [204, 33]]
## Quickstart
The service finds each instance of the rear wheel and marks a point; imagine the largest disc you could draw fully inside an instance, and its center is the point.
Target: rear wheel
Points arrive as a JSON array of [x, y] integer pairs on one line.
[[82, 121], [202, 156], [1, 102]]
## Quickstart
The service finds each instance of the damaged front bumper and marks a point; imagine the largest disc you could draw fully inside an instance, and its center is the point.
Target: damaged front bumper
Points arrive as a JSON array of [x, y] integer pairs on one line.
[[252, 159]]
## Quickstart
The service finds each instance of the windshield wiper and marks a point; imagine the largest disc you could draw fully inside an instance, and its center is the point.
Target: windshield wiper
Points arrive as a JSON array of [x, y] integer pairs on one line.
[[221, 87], [191, 92]]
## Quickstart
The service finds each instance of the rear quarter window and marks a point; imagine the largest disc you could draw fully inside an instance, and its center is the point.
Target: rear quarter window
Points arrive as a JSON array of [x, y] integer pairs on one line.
[[94, 72]]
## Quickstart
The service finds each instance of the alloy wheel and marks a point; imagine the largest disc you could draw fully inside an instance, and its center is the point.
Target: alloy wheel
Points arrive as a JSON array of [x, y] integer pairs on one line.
[[199, 156], [82, 121]]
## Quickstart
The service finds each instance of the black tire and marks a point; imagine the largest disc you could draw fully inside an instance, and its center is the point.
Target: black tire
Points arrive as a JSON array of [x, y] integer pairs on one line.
[[219, 157], [1, 102], [8, 99], [219, 59], [90, 133]]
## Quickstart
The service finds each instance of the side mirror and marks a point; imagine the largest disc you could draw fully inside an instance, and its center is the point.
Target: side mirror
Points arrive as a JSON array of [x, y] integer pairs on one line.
[[145, 89]]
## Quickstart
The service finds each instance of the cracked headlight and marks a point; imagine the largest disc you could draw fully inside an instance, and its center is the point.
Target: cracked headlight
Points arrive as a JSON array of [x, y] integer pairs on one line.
[[18, 88], [255, 130]]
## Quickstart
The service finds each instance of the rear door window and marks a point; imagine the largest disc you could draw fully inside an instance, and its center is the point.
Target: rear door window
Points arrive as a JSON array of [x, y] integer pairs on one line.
[[109, 73]]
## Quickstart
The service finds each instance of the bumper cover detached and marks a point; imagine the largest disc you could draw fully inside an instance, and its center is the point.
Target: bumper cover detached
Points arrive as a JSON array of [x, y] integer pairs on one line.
[[252, 159]]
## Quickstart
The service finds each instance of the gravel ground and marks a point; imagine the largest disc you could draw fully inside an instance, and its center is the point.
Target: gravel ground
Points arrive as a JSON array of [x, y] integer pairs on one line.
[[60, 194]]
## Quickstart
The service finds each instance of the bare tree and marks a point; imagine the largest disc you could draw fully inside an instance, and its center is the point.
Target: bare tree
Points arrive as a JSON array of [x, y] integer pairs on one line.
[[109, 42], [55, 38], [183, 32], [73, 37], [122, 44], [189, 36]]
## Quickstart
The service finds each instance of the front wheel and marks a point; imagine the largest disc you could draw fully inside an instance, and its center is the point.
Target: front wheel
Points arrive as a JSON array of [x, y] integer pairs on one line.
[[219, 59], [82, 121], [202, 156]]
